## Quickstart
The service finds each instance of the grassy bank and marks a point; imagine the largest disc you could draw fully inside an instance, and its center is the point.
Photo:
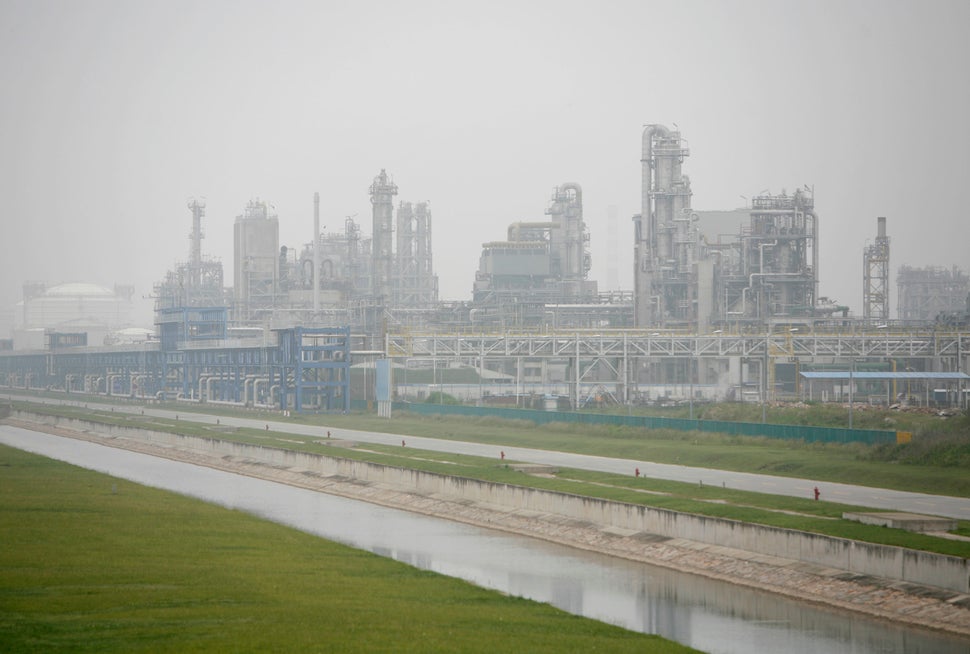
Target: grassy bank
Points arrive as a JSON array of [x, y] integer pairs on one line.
[[94, 563], [935, 462], [773, 510]]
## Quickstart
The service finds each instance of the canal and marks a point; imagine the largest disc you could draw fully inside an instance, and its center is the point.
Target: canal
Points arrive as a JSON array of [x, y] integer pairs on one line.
[[709, 615]]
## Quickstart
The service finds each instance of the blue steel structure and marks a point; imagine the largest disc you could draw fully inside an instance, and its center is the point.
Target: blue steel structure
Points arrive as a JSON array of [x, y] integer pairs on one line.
[[314, 368], [219, 374], [308, 369], [118, 370]]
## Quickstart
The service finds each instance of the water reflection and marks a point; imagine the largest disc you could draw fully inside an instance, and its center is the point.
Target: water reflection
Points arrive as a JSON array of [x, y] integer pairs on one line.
[[705, 614]]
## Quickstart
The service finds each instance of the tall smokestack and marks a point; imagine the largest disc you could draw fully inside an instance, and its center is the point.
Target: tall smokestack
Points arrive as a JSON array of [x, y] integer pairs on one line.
[[881, 227]]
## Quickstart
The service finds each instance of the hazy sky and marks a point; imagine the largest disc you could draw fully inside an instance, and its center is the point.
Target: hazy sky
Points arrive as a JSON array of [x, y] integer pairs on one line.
[[114, 113]]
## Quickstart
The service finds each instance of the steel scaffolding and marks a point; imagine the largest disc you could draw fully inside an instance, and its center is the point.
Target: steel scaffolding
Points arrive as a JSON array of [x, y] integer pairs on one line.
[[612, 357], [875, 268]]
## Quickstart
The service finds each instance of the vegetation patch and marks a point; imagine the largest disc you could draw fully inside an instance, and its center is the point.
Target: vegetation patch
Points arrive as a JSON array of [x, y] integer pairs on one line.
[[772, 510], [934, 447], [95, 563]]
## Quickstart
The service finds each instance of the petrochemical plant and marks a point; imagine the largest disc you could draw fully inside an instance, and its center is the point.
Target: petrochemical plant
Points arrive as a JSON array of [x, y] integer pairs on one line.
[[716, 313]]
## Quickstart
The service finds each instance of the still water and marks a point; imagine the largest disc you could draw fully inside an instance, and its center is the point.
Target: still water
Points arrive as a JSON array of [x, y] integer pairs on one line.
[[708, 615]]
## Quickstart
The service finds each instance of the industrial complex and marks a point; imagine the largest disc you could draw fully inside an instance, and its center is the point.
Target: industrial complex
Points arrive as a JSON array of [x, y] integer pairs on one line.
[[726, 305]]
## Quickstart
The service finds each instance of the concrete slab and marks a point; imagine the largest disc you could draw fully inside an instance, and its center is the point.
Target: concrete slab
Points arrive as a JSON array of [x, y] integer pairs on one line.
[[906, 521]]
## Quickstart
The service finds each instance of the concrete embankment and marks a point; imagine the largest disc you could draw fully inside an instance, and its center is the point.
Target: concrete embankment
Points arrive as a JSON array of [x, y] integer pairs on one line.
[[917, 587]]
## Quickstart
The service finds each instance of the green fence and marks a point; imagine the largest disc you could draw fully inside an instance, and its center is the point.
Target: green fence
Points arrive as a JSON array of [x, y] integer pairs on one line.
[[789, 432]]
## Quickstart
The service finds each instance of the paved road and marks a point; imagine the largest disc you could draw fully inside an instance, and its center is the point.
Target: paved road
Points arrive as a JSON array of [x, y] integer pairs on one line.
[[877, 498]]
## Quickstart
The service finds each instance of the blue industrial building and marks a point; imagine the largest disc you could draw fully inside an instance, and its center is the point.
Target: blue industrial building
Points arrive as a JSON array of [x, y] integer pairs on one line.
[[305, 369]]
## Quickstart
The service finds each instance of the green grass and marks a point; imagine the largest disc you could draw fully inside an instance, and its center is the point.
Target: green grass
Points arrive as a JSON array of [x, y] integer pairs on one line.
[[818, 414], [94, 563], [773, 510], [855, 463]]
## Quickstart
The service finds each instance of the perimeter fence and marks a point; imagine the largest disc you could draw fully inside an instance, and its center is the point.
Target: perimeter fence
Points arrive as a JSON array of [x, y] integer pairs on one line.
[[805, 433]]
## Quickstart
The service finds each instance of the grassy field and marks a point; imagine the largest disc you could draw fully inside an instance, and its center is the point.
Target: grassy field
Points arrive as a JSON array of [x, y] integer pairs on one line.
[[94, 563], [774, 510], [935, 462]]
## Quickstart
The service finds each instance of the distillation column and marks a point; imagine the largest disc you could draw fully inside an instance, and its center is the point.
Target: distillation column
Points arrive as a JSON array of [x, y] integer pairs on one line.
[[427, 281], [415, 284], [780, 257], [195, 252], [875, 269], [405, 276], [568, 239], [660, 279], [382, 192], [256, 261]]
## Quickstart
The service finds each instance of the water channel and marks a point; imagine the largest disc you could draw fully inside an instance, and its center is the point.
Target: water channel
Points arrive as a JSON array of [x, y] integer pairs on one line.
[[709, 615]]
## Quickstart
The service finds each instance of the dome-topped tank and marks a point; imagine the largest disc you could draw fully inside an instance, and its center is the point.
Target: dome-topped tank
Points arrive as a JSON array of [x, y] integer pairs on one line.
[[79, 289]]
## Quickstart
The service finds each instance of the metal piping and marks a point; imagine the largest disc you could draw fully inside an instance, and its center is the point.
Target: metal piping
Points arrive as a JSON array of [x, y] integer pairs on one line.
[[811, 212], [247, 381], [110, 383], [207, 380], [646, 188], [137, 380], [761, 254], [574, 262], [645, 264], [252, 382], [256, 384], [225, 402]]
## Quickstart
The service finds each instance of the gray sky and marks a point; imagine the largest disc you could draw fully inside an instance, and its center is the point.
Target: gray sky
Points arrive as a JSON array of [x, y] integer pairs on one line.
[[114, 113]]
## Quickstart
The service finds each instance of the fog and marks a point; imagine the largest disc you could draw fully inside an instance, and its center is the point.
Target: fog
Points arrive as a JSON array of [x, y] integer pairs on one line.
[[114, 113]]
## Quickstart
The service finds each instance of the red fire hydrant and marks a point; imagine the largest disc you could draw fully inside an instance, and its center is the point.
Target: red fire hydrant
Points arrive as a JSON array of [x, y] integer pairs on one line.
[[816, 493], [502, 453], [636, 472]]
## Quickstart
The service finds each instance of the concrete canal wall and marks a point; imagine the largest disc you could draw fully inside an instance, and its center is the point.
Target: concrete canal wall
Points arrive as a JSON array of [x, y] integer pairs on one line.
[[923, 568]]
